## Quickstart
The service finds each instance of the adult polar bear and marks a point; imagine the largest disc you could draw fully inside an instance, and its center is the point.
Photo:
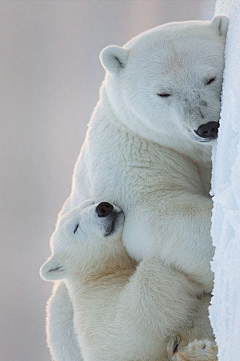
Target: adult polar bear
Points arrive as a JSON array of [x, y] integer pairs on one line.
[[148, 150]]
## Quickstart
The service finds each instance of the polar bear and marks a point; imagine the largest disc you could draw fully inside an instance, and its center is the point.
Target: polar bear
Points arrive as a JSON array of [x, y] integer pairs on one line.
[[148, 149], [116, 305]]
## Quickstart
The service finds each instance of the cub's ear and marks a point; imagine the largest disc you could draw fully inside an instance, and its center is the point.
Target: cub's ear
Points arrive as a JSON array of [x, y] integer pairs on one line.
[[220, 24], [114, 58], [53, 269]]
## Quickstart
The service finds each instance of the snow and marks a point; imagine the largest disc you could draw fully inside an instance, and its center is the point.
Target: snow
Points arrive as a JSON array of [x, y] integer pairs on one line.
[[225, 308]]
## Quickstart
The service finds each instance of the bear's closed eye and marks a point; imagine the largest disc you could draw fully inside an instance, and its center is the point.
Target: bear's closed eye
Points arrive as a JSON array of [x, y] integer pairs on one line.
[[164, 95], [75, 229]]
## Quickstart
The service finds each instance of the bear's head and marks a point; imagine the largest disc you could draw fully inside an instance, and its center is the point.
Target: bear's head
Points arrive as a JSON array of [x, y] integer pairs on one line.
[[165, 84], [84, 239]]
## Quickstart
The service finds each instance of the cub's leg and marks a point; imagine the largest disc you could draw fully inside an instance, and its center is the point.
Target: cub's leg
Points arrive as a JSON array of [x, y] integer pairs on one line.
[[176, 229], [155, 302], [61, 337], [204, 350]]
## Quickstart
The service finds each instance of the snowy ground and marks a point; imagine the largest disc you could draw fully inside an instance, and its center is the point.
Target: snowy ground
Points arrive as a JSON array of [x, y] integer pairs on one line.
[[225, 309]]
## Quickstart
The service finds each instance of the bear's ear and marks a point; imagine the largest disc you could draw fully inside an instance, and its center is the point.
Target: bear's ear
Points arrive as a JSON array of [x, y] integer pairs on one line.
[[114, 58], [220, 24], [53, 269]]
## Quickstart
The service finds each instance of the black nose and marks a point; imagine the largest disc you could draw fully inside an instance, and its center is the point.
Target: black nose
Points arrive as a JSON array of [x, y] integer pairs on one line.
[[104, 209], [209, 130]]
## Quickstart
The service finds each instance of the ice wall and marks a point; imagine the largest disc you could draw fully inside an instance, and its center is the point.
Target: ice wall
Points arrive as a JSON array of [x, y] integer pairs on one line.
[[225, 309]]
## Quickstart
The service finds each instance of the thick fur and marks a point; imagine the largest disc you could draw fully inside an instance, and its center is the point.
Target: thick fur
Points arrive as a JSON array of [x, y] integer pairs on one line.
[[116, 305], [142, 153], [60, 312], [199, 329]]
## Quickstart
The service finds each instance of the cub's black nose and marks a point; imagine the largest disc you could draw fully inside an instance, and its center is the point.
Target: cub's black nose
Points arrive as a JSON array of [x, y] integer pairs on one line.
[[104, 209], [209, 130]]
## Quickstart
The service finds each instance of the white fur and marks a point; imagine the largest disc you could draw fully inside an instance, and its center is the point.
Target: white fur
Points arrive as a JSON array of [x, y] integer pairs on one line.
[[60, 312], [199, 329], [141, 151], [121, 312]]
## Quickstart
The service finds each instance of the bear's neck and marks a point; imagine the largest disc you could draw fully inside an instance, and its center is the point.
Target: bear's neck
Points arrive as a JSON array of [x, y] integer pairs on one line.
[[119, 116], [105, 270], [94, 293]]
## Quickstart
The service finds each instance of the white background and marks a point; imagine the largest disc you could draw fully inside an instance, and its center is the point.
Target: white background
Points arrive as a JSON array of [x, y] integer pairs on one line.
[[49, 80]]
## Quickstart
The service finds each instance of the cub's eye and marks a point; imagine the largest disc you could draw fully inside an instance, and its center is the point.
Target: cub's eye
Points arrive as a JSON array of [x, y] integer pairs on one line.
[[164, 95], [210, 81], [75, 229]]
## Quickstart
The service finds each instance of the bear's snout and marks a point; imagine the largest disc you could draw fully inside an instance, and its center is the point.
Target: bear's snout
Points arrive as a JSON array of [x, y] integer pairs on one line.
[[110, 217], [208, 130]]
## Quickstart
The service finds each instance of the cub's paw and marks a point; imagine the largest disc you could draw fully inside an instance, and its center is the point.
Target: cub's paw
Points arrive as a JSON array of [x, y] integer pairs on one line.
[[172, 346], [204, 350]]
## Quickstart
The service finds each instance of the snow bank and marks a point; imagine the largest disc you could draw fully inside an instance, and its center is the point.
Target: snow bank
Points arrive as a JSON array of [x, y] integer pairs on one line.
[[225, 309]]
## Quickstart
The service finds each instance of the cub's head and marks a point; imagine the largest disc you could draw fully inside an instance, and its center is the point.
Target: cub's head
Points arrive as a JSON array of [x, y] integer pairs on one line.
[[165, 84], [84, 238]]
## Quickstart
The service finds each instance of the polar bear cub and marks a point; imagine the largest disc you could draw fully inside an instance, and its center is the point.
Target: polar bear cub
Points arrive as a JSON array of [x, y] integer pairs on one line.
[[116, 303]]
